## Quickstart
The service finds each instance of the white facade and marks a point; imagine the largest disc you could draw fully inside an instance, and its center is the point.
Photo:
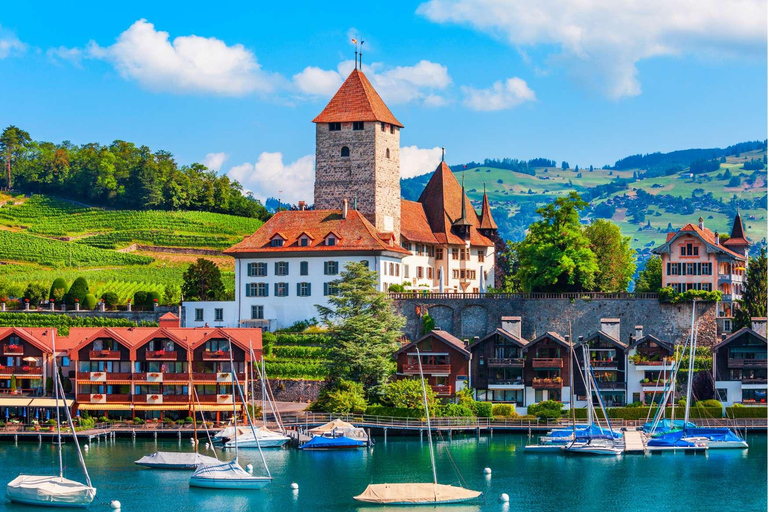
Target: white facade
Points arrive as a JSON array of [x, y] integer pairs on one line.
[[449, 268], [208, 314]]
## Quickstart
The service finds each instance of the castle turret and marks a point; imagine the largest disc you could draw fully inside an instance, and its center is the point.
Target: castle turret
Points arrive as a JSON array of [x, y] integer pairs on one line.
[[738, 242]]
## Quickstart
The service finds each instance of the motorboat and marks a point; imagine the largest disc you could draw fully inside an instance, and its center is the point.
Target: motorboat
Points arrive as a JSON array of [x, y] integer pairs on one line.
[[266, 439], [227, 475]]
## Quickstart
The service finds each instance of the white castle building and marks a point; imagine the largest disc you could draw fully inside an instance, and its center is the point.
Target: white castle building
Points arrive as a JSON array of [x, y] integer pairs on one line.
[[438, 243]]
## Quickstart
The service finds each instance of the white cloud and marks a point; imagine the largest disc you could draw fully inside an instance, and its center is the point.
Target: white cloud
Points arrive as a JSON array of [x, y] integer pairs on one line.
[[214, 161], [187, 64], [73, 55], [269, 176], [10, 44], [500, 96], [602, 41], [415, 161], [401, 84]]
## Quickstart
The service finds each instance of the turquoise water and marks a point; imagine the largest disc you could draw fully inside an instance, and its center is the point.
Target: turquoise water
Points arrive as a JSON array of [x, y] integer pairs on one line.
[[722, 480]]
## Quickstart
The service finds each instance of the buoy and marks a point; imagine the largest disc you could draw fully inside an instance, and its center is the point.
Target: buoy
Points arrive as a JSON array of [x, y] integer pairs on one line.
[[86, 447], [114, 504], [207, 445], [487, 471], [249, 468], [295, 486], [504, 498]]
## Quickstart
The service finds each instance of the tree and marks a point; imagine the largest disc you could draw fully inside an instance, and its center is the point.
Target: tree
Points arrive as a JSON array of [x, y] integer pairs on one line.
[[649, 280], [366, 328], [202, 281], [342, 397], [78, 290], [110, 299], [615, 257], [408, 393], [556, 255], [565, 165], [13, 142], [753, 300], [509, 263], [36, 293], [58, 289]]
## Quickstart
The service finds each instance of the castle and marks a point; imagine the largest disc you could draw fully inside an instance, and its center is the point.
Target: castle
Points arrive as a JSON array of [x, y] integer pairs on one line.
[[438, 243]]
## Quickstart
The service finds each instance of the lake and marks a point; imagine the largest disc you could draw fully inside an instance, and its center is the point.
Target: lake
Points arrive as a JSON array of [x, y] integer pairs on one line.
[[721, 480]]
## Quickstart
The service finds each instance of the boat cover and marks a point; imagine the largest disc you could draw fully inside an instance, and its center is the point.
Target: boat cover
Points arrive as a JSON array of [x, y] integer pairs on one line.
[[584, 431], [49, 490], [408, 493], [332, 443], [336, 424], [714, 434], [188, 459], [667, 425], [223, 471], [672, 439]]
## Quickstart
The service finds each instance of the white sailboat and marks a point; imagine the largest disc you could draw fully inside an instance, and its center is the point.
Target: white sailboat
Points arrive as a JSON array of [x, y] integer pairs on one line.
[[230, 475], [418, 493], [54, 491]]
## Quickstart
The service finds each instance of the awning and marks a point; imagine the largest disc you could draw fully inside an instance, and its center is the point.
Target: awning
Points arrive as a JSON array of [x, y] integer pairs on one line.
[[217, 408], [49, 402], [15, 402], [161, 407], [105, 407]]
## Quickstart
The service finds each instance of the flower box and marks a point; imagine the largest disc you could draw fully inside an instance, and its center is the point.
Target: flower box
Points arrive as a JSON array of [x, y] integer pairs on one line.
[[154, 375], [97, 397], [154, 397]]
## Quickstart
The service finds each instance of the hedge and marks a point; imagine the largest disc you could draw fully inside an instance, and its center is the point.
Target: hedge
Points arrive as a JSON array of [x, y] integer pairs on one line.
[[758, 411], [289, 338], [504, 410], [641, 413]]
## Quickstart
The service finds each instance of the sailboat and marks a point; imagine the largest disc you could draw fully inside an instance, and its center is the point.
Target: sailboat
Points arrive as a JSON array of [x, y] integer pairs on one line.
[[230, 475], [418, 493], [54, 491]]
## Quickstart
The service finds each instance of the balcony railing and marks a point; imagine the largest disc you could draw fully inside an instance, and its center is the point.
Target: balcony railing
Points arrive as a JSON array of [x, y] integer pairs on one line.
[[604, 363], [747, 363], [442, 390], [217, 355], [176, 377], [426, 368], [760, 380], [162, 355], [611, 385], [102, 398], [102, 376], [505, 382], [547, 362], [21, 370], [496, 362], [104, 354], [547, 383], [13, 350], [654, 383], [668, 362]]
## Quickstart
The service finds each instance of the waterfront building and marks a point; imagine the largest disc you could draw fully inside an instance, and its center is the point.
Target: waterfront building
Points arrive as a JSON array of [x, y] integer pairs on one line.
[[25, 357], [607, 357], [498, 364], [695, 258], [444, 362], [438, 243], [547, 369], [739, 366], [650, 362]]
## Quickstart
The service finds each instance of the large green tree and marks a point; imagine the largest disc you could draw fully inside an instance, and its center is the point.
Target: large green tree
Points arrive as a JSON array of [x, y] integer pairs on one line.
[[556, 255], [509, 262], [649, 279], [615, 257], [366, 328], [202, 281], [754, 300], [13, 142]]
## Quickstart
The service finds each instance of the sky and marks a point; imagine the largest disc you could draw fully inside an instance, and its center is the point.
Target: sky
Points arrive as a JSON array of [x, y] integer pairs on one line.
[[236, 85]]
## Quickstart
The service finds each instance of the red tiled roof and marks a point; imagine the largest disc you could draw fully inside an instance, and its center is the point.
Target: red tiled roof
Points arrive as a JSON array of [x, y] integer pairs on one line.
[[40, 337], [354, 233], [442, 199], [169, 316], [486, 219], [444, 336], [414, 225], [709, 237], [356, 100]]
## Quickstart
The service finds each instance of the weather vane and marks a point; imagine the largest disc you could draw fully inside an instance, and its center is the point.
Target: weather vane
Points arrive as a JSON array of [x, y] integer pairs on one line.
[[358, 51]]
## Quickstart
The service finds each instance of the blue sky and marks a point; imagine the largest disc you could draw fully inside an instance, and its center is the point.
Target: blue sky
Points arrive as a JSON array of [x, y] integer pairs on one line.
[[588, 82]]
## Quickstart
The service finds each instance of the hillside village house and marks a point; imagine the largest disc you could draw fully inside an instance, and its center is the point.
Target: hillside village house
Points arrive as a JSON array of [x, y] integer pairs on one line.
[[694, 258], [739, 366], [438, 243]]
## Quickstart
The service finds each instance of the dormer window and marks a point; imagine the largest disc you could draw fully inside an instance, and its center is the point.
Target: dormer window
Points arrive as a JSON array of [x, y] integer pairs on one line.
[[331, 240], [277, 242], [345, 151], [304, 241], [358, 126], [334, 127]]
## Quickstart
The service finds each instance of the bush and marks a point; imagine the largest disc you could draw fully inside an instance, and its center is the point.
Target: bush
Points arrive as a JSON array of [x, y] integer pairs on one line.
[[90, 301], [138, 421], [407, 393], [453, 411], [140, 298], [549, 409], [428, 324], [267, 342], [739, 411], [188, 420], [640, 413], [483, 409], [343, 396], [58, 289], [636, 404], [36, 293], [504, 410], [86, 423], [152, 297], [110, 299], [51, 422], [78, 290], [669, 295], [710, 403]]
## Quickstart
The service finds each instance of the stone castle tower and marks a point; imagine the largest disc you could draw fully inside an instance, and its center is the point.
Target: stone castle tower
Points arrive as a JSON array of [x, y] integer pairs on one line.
[[358, 155]]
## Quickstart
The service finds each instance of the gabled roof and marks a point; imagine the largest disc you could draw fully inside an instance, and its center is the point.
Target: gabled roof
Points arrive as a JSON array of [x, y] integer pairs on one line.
[[354, 233], [169, 316], [39, 337], [602, 334], [161, 332], [356, 100], [651, 337], [704, 234], [414, 225], [550, 335], [738, 238], [103, 332], [443, 336], [520, 342], [744, 331], [486, 219], [238, 336]]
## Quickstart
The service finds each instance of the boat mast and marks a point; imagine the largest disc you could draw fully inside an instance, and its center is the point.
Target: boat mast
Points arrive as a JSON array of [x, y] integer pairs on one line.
[[570, 365], [689, 387], [585, 348], [234, 401], [194, 424], [56, 389], [429, 423], [74, 436]]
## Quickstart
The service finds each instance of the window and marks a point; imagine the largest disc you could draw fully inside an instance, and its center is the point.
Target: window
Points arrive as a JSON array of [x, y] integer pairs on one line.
[[391, 269], [65, 361], [331, 240], [198, 314], [406, 245], [304, 241], [383, 127], [303, 289], [345, 151], [281, 289], [330, 289], [455, 274], [480, 255], [334, 127], [218, 315], [464, 253], [281, 268], [429, 272], [391, 128], [276, 242], [358, 125], [721, 394], [419, 249], [420, 272], [406, 271], [397, 269], [439, 253], [365, 263], [257, 312], [331, 268], [256, 290], [304, 268], [454, 253], [257, 269], [387, 152]]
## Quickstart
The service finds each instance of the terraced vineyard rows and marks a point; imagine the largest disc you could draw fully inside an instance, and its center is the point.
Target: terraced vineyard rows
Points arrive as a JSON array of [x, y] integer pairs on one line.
[[292, 361], [151, 237]]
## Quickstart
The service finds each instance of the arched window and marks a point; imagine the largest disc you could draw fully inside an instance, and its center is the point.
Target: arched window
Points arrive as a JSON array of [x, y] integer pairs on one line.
[[387, 152], [345, 151]]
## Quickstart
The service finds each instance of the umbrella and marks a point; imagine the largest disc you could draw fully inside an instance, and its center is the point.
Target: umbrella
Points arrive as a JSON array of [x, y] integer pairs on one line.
[[78, 413], [37, 414], [24, 412], [47, 414], [30, 359], [7, 413]]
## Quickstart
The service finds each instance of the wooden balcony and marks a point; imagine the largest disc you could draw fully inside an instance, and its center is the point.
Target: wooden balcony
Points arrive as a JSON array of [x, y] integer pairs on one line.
[[161, 355], [13, 350], [604, 363], [102, 376], [747, 363], [104, 355], [413, 369], [103, 398], [21, 371], [654, 384], [506, 382], [218, 355], [205, 377], [215, 399], [760, 380], [547, 383], [506, 362], [602, 386], [176, 377], [547, 362], [442, 390]]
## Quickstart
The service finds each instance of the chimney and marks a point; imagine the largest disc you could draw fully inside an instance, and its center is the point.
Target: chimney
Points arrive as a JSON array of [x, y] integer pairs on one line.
[[513, 325], [717, 238], [701, 222], [758, 325], [611, 327], [638, 332], [302, 205], [169, 321], [345, 209]]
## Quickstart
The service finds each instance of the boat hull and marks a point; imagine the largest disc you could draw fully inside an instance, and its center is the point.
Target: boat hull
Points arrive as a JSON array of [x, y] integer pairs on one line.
[[276, 442], [49, 492], [605, 452], [545, 448], [255, 483]]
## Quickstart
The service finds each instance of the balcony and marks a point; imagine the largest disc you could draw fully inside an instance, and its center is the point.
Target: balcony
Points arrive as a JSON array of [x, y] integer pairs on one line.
[[604, 363], [724, 278], [653, 384], [176, 377], [413, 369], [101, 398], [102, 376], [13, 350], [508, 362], [21, 371], [442, 390], [757, 381], [104, 355], [217, 355], [506, 382], [153, 398], [747, 363], [556, 383], [161, 355], [547, 362], [602, 386]]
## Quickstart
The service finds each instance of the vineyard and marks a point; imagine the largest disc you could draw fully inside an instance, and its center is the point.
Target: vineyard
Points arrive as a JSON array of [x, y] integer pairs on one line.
[[125, 290], [297, 356], [64, 322], [151, 237]]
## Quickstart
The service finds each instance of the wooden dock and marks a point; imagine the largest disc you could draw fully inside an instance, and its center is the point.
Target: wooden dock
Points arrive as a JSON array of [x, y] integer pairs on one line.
[[634, 442]]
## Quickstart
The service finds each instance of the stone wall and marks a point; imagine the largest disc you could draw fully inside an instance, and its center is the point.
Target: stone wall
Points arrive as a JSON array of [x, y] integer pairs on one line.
[[467, 318], [286, 390]]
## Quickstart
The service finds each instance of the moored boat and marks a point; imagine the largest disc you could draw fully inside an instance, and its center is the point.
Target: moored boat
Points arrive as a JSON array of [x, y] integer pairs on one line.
[[175, 460]]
